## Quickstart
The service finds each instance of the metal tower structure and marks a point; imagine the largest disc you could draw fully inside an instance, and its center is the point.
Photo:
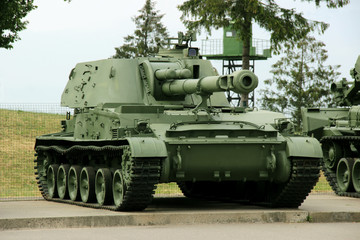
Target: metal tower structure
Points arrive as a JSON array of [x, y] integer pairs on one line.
[[229, 51]]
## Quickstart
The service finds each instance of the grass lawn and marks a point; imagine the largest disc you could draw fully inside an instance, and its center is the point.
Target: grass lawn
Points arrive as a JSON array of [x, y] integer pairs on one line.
[[18, 130]]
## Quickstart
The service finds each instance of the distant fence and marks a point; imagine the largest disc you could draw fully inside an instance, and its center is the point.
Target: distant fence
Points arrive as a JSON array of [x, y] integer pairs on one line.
[[19, 126], [53, 108]]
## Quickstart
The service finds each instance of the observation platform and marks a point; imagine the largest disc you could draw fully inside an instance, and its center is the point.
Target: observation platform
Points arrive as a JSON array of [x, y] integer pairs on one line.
[[219, 49]]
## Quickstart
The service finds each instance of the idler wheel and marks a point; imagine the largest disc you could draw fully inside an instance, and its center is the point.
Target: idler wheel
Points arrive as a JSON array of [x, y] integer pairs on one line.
[[73, 182], [332, 153], [356, 175], [343, 174], [103, 188], [118, 188], [87, 184], [51, 180], [62, 181]]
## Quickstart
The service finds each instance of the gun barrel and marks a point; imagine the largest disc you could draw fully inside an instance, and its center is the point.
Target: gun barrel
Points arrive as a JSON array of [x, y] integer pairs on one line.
[[243, 81], [165, 74], [340, 86]]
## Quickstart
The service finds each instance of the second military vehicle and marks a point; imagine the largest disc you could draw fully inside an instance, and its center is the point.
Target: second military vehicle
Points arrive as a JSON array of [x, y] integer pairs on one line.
[[143, 121], [339, 132]]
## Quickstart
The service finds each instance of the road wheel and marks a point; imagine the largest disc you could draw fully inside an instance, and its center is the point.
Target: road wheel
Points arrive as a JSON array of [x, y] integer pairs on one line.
[[87, 184], [51, 180], [73, 182], [118, 188], [343, 174], [103, 188], [62, 181], [356, 175]]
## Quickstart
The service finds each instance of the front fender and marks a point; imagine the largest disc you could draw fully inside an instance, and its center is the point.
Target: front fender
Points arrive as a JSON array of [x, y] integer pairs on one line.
[[147, 147], [303, 147]]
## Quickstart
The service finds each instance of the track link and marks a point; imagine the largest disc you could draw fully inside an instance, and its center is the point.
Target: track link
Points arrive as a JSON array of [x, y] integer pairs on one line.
[[304, 175], [330, 174], [144, 175]]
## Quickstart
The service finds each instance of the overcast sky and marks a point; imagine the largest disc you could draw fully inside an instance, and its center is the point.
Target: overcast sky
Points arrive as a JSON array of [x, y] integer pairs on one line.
[[60, 34]]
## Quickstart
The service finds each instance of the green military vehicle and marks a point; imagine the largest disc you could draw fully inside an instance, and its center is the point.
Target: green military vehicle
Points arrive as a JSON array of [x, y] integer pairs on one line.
[[143, 121], [339, 132]]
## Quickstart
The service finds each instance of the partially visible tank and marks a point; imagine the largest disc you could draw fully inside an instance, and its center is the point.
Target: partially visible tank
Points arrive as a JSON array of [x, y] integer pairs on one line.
[[338, 129], [143, 121]]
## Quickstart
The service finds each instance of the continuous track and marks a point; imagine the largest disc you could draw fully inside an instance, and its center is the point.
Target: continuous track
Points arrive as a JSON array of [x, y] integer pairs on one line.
[[304, 175], [330, 174], [144, 174]]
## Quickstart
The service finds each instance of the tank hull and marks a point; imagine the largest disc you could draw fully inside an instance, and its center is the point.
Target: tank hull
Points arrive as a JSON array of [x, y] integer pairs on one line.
[[250, 159]]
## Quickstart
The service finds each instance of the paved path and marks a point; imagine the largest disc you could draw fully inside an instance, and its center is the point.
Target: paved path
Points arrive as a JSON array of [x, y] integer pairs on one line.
[[169, 211], [234, 231]]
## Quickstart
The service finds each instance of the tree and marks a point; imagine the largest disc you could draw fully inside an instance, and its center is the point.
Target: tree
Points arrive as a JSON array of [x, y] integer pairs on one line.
[[283, 24], [300, 79], [149, 36], [12, 13]]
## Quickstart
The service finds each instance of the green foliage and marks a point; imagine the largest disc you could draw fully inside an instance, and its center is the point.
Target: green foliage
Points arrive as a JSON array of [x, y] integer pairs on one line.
[[12, 13], [300, 79], [149, 36], [330, 3], [283, 24]]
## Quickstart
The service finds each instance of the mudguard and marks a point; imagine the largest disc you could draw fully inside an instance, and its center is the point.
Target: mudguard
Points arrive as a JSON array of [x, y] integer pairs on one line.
[[147, 147], [303, 147]]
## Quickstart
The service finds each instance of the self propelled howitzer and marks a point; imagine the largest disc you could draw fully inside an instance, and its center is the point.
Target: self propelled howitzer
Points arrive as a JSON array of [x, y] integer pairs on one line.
[[339, 131], [143, 121]]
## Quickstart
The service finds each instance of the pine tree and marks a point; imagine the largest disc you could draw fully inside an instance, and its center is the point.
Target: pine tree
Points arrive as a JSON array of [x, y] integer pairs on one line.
[[300, 79], [149, 36], [283, 24]]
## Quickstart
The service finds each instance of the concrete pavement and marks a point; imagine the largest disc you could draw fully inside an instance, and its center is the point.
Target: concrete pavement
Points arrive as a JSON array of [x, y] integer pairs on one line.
[[168, 211], [234, 231]]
